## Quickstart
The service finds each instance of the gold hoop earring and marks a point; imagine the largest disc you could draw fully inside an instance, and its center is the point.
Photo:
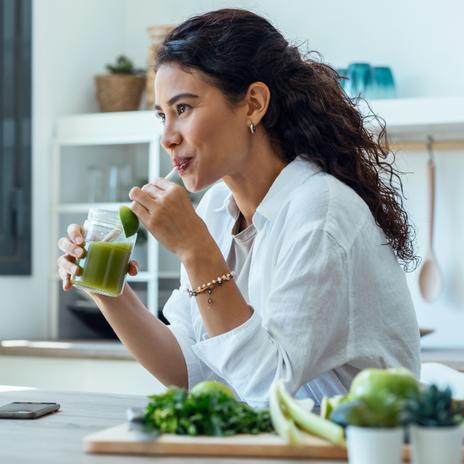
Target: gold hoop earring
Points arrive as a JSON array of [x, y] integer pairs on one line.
[[252, 128]]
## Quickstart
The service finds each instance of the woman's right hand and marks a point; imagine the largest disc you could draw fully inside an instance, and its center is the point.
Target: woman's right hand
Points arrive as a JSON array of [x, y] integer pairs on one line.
[[73, 247]]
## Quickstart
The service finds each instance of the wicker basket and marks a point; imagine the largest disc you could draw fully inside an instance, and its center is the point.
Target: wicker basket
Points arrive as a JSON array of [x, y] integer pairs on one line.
[[120, 92], [157, 35]]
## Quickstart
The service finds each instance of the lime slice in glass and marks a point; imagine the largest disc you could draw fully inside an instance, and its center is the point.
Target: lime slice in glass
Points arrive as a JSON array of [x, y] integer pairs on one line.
[[129, 221]]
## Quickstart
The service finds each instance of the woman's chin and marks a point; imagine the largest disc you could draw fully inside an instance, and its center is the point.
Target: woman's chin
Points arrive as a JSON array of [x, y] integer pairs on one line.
[[194, 186], [190, 185]]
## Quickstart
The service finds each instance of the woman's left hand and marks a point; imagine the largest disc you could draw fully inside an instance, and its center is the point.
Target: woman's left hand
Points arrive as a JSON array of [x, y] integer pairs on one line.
[[166, 211]]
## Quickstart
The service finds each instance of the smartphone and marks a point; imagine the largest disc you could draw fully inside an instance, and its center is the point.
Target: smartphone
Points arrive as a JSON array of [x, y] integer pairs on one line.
[[27, 410]]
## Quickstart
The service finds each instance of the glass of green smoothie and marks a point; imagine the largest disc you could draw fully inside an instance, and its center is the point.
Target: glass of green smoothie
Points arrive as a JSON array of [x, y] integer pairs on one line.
[[107, 254]]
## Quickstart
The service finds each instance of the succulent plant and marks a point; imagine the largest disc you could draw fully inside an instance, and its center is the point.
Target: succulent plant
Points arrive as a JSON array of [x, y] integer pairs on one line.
[[433, 408], [123, 66]]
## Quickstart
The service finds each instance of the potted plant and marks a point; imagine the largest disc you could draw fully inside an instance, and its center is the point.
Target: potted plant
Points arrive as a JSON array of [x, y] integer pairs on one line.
[[374, 433], [436, 431], [122, 89], [372, 414]]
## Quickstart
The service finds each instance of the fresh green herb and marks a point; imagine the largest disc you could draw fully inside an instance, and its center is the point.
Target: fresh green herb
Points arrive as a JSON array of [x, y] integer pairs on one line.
[[213, 413]]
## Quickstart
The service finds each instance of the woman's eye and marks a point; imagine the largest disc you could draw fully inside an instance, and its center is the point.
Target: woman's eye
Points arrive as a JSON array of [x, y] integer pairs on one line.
[[181, 108], [161, 116]]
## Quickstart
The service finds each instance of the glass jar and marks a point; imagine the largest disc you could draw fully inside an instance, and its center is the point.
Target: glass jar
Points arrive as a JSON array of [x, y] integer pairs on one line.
[[107, 254]]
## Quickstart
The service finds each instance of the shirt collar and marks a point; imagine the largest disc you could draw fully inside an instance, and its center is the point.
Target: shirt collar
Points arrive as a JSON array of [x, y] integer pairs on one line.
[[292, 176]]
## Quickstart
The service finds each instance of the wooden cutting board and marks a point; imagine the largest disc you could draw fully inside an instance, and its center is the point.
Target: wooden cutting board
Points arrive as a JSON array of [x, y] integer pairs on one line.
[[121, 439]]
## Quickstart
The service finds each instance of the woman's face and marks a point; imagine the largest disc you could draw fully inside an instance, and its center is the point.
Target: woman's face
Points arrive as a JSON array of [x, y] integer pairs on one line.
[[206, 137]]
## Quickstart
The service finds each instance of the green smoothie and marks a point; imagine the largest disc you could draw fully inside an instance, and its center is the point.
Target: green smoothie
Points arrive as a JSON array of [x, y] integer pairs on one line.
[[104, 267]]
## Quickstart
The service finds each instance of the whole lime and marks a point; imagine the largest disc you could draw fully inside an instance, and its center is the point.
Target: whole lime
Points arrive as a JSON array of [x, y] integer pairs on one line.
[[211, 386]]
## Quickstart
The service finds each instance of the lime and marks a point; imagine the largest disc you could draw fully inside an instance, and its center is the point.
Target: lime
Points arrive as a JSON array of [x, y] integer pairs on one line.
[[129, 221], [211, 386]]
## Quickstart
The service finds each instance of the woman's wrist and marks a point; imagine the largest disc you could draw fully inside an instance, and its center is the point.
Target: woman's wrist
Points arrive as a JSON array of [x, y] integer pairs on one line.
[[100, 299], [204, 261], [201, 244]]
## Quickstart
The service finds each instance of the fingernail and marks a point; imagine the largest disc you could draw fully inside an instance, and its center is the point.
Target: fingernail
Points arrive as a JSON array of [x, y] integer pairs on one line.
[[78, 239], [78, 252]]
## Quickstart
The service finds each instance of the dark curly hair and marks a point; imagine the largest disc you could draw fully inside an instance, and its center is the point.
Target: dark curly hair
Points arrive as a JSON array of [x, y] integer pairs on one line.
[[308, 114]]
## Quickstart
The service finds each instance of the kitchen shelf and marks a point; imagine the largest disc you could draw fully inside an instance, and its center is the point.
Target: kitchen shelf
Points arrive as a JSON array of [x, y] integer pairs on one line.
[[79, 142], [415, 119], [84, 207], [129, 127], [168, 275], [140, 277]]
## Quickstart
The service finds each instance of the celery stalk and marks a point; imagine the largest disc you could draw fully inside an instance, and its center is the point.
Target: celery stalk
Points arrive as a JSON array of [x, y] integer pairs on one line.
[[283, 424], [308, 421], [279, 421]]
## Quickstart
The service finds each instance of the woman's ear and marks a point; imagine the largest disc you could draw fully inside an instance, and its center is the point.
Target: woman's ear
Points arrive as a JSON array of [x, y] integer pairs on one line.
[[257, 99]]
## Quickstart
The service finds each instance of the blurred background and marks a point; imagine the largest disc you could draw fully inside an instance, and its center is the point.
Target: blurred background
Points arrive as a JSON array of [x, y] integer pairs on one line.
[[75, 155]]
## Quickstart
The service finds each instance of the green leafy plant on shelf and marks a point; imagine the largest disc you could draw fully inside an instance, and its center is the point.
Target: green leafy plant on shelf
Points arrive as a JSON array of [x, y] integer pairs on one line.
[[434, 407], [123, 66]]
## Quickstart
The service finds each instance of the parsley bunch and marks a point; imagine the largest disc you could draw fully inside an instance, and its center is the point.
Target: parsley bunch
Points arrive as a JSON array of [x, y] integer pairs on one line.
[[214, 413]]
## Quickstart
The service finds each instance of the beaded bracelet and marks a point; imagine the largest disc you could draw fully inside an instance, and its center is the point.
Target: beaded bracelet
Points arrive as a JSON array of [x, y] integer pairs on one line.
[[210, 286]]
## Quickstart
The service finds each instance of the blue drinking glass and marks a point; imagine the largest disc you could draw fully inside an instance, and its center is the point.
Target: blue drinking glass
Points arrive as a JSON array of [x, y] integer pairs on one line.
[[384, 84], [360, 83], [343, 72]]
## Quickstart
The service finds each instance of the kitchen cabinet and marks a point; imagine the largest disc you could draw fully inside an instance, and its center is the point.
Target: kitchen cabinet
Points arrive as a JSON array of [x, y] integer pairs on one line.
[[96, 159]]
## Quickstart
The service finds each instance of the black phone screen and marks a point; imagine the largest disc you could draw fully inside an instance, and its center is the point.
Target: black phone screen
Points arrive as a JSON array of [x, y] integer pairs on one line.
[[27, 409]]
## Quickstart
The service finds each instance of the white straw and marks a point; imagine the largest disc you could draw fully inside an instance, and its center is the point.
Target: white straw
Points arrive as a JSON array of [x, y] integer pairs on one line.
[[171, 173], [115, 232]]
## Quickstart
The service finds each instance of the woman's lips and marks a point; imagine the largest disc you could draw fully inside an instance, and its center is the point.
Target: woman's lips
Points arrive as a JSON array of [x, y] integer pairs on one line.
[[182, 164]]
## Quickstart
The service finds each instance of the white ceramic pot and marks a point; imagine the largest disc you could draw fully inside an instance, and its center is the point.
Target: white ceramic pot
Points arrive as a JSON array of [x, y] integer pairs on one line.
[[432, 445], [368, 445]]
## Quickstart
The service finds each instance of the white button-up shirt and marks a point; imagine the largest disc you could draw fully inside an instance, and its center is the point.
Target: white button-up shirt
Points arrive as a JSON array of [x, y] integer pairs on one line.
[[328, 295]]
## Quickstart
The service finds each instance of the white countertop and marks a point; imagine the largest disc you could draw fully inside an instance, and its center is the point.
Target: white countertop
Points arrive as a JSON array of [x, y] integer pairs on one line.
[[108, 349], [86, 349]]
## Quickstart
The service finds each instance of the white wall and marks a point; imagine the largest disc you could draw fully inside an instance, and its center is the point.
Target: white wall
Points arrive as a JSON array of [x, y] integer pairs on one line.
[[420, 40]]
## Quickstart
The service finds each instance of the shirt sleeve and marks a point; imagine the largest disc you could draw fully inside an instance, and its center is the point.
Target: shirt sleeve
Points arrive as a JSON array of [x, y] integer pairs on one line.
[[302, 330], [177, 312]]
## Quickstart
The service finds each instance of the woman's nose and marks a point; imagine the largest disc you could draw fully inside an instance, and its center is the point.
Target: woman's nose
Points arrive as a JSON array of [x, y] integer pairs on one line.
[[170, 137]]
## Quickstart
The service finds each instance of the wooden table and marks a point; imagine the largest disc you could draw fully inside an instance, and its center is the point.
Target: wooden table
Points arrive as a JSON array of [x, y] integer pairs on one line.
[[57, 438]]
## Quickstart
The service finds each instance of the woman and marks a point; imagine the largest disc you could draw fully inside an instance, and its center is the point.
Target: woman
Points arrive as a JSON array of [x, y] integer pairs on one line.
[[307, 215]]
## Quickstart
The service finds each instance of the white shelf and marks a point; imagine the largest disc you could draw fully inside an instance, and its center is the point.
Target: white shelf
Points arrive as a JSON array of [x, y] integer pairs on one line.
[[169, 275], [129, 127], [84, 207], [140, 277], [413, 119], [88, 130], [406, 118]]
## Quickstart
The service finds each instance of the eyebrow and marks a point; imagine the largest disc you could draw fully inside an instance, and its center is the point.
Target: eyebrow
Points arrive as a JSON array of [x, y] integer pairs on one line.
[[176, 98]]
